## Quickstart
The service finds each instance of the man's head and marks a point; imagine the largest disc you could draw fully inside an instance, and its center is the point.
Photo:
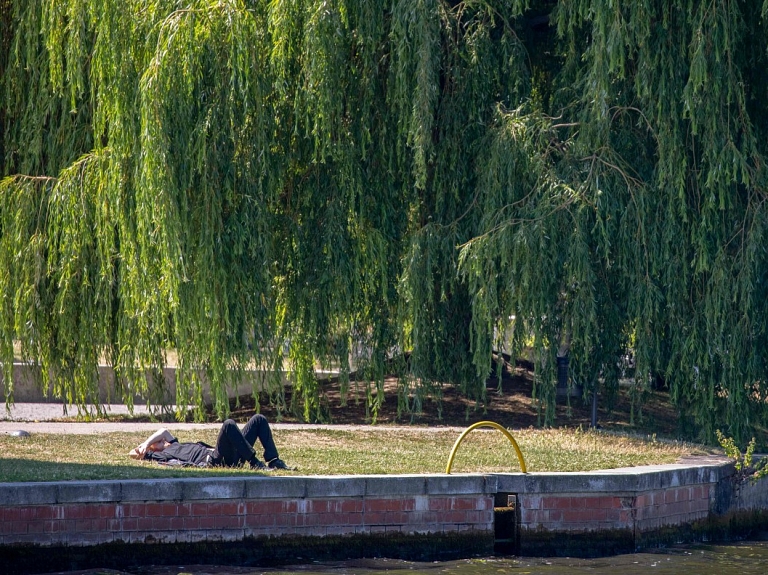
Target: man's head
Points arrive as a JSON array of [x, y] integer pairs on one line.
[[158, 445], [140, 451]]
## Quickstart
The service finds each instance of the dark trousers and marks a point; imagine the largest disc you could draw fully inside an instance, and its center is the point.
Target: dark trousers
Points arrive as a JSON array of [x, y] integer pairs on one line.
[[235, 447]]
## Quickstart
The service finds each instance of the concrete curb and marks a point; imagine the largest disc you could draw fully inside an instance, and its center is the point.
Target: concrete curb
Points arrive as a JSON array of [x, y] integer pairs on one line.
[[269, 518]]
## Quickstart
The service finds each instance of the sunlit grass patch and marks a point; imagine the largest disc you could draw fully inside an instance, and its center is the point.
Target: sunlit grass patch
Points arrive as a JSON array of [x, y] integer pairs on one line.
[[375, 450]]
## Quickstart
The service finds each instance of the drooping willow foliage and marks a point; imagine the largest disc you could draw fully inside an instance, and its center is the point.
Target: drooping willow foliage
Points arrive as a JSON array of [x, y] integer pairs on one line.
[[628, 211], [300, 182]]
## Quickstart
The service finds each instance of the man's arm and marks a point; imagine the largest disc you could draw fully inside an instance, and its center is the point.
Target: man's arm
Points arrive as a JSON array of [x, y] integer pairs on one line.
[[161, 435]]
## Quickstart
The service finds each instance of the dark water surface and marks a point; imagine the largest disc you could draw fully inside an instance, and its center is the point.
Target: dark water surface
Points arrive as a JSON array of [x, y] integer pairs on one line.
[[732, 559]]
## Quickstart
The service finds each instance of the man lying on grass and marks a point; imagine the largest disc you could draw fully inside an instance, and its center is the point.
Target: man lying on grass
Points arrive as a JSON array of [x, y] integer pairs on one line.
[[233, 447]]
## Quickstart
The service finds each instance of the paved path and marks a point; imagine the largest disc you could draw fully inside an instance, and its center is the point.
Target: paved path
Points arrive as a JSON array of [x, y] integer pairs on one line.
[[50, 418], [49, 411]]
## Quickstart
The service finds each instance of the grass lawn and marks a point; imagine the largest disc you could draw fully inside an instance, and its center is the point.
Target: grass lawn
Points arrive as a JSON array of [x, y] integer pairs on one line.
[[378, 450]]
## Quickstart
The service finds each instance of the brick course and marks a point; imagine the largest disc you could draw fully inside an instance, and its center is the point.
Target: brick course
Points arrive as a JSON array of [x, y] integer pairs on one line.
[[633, 504], [583, 512], [228, 517]]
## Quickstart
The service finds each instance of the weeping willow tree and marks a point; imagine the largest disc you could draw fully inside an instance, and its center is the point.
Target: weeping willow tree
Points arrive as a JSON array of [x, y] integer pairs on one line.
[[622, 207], [249, 183]]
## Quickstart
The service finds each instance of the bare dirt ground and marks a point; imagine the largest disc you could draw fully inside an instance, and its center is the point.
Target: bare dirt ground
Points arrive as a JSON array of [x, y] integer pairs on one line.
[[511, 406]]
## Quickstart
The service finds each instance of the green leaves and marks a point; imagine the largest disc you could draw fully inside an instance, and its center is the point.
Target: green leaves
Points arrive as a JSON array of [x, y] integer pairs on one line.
[[313, 183], [666, 198]]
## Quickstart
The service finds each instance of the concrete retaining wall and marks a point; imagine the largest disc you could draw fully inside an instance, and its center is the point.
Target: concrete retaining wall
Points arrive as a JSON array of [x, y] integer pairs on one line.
[[560, 514], [255, 519], [30, 387], [259, 519], [232, 509]]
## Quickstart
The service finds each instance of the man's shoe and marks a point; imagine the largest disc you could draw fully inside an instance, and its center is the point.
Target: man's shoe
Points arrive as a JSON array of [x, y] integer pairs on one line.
[[279, 464], [258, 465]]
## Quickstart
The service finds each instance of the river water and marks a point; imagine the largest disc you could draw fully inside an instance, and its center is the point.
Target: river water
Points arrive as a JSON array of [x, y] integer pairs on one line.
[[733, 559]]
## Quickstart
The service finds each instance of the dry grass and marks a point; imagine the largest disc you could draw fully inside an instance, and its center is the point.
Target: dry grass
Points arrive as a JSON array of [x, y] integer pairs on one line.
[[345, 452]]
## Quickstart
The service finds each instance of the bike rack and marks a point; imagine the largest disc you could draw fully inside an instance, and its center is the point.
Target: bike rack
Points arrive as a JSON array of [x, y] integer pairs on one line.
[[494, 425]]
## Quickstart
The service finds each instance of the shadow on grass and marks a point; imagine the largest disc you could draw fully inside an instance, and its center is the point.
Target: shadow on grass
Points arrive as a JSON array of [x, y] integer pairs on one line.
[[13, 470]]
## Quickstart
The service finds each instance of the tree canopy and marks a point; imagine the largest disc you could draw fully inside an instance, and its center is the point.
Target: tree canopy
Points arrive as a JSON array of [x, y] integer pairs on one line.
[[231, 179]]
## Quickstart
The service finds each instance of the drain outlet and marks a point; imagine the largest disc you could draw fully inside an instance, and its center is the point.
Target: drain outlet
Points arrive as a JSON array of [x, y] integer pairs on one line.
[[506, 519]]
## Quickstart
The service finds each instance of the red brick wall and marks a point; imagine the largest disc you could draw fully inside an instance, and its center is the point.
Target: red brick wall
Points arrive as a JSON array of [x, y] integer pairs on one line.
[[584, 512], [233, 520], [571, 512], [673, 506]]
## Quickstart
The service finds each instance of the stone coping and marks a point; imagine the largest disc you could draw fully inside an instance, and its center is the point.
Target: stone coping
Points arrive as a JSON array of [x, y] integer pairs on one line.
[[690, 471], [256, 487], [626, 480]]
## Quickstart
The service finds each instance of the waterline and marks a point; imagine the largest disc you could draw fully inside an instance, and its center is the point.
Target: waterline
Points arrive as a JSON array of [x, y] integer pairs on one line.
[[746, 558]]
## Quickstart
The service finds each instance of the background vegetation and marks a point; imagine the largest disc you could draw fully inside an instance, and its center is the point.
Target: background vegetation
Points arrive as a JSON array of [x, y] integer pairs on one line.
[[239, 180]]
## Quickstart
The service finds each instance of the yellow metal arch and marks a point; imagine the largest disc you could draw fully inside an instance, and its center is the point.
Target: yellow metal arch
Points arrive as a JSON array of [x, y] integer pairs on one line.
[[485, 424]]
